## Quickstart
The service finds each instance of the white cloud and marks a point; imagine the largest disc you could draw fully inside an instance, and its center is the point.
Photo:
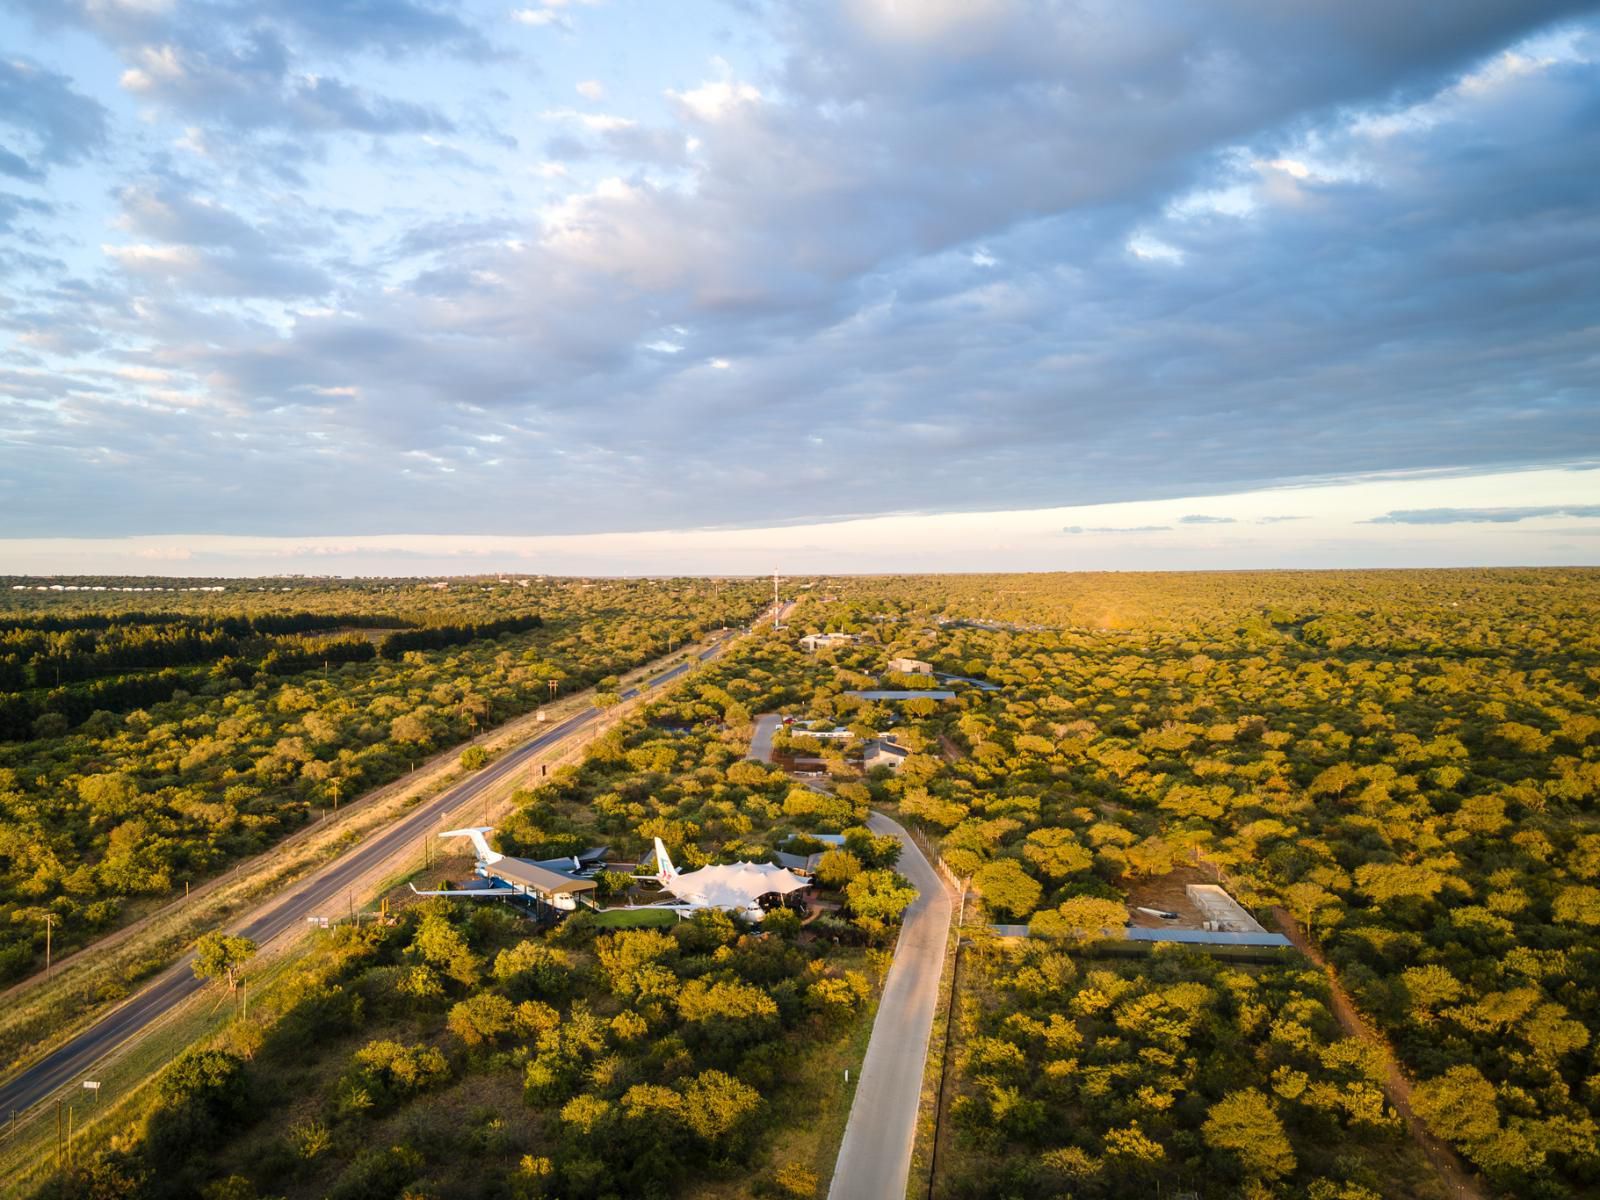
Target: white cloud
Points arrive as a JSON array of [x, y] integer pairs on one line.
[[715, 99], [1153, 249], [596, 122], [537, 17], [591, 89], [137, 257]]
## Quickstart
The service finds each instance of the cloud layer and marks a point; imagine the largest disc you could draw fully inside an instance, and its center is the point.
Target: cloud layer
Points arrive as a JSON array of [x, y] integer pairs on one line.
[[293, 267]]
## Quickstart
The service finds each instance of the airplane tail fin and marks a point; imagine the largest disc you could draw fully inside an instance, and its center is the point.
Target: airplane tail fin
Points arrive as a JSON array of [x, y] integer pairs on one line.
[[480, 841], [664, 861]]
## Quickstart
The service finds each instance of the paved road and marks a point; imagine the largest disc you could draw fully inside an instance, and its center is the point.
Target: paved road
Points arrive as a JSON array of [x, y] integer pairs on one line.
[[322, 893], [875, 1156], [761, 740]]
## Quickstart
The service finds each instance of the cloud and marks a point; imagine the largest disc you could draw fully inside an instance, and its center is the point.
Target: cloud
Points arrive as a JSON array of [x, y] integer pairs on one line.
[[1278, 520], [250, 85], [194, 243], [233, 65], [13, 207], [908, 230], [1202, 519], [538, 17], [717, 99], [393, 27], [47, 122], [1075, 529], [1495, 516]]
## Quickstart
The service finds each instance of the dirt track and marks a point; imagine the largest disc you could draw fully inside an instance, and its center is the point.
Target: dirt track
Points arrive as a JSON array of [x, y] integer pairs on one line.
[[1457, 1179]]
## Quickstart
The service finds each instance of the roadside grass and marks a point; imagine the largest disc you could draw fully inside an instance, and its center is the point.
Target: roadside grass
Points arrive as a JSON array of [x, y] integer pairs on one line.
[[814, 1107], [29, 1148], [40, 1013], [28, 1156]]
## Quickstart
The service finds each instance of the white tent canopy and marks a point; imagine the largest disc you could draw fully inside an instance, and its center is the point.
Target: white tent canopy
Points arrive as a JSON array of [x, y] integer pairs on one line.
[[735, 885]]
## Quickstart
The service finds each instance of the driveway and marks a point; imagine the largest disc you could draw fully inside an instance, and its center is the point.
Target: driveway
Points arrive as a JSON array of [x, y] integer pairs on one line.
[[761, 741], [875, 1157]]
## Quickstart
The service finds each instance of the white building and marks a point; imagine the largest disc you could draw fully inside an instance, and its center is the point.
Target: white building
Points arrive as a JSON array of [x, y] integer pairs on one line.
[[824, 641], [910, 666]]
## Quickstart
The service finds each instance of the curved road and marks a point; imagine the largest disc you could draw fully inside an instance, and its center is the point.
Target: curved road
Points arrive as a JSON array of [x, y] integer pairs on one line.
[[319, 893], [875, 1157]]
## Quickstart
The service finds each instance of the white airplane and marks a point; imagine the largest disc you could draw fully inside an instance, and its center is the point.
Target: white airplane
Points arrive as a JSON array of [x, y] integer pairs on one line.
[[737, 888], [553, 881]]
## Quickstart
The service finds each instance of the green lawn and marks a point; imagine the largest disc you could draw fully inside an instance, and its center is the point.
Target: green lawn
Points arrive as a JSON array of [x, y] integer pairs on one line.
[[635, 918]]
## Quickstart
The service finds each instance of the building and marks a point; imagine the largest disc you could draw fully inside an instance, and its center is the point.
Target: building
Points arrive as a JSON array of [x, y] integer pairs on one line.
[[554, 888], [881, 753], [903, 694], [910, 666], [826, 641], [1220, 912]]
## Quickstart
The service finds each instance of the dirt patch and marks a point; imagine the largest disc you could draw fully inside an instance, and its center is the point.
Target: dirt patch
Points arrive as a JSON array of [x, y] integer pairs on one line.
[[1167, 893]]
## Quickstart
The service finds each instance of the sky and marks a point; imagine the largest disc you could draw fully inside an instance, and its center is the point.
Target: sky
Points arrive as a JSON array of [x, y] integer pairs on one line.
[[374, 286]]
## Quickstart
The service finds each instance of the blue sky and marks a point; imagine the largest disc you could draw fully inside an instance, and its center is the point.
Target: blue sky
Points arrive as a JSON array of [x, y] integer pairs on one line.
[[329, 275]]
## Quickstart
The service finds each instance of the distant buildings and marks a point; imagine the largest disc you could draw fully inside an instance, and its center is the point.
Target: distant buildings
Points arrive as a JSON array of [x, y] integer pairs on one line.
[[813, 642], [903, 694], [910, 666], [881, 753]]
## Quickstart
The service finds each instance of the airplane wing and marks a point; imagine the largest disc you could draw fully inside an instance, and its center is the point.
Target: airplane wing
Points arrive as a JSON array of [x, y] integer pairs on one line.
[[465, 892]]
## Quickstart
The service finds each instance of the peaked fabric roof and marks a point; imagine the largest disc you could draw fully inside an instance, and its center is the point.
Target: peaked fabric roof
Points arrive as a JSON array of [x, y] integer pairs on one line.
[[736, 885]]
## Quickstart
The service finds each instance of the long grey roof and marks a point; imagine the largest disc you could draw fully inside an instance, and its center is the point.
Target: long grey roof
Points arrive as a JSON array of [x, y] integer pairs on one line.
[[1190, 937], [907, 694], [540, 879], [1207, 937]]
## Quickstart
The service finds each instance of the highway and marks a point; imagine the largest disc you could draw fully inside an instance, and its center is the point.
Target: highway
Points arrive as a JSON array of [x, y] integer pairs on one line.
[[322, 893]]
